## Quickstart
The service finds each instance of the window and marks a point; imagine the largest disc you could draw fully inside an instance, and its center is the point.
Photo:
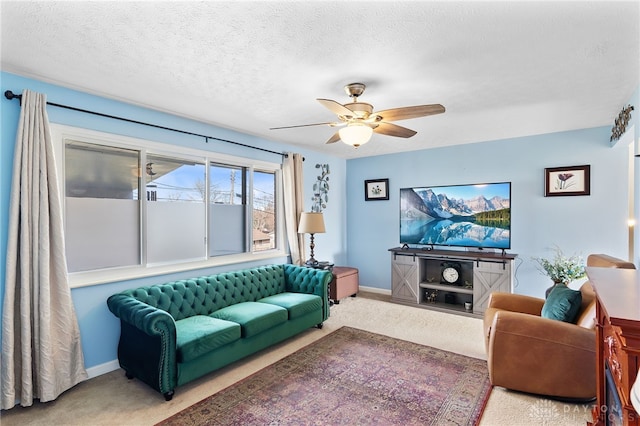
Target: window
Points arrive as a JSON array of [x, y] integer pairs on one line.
[[135, 208]]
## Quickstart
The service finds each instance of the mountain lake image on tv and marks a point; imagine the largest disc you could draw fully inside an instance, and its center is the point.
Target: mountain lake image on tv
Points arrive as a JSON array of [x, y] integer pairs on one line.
[[476, 215]]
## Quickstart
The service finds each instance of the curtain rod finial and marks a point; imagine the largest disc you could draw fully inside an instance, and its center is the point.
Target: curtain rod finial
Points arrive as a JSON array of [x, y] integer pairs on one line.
[[10, 95]]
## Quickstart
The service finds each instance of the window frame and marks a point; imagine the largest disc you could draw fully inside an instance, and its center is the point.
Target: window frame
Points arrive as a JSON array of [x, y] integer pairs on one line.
[[60, 133]]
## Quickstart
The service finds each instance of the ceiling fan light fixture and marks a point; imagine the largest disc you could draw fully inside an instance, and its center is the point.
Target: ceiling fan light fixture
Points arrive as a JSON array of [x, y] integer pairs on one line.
[[355, 134], [361, 121]]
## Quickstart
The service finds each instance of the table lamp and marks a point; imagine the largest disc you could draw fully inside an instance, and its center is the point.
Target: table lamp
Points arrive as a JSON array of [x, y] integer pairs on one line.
[[311, 223]]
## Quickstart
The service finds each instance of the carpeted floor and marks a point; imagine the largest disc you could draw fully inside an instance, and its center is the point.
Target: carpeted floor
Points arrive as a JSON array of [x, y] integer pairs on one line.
[[111, 399], [352, 377]]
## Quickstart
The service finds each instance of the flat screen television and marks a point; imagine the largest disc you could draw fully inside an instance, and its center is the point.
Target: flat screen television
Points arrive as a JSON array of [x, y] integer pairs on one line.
[[472, 216]]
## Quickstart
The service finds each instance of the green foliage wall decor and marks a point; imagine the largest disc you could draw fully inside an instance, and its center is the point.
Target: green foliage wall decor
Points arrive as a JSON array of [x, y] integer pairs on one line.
[[321, 189]]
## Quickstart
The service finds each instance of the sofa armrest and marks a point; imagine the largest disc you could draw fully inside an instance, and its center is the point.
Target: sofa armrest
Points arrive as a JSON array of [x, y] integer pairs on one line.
[[147, 347], [541, 356], [301, 279], [500, 301], [606, 261], [146, 318], [515, 303]]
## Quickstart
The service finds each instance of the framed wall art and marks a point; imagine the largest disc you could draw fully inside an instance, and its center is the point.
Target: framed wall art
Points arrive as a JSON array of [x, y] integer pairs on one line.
[[376, 189], [565, 181]]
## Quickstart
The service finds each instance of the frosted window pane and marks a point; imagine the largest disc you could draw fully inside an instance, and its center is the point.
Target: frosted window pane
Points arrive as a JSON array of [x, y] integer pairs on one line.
[[176, 220], [97, 171], [227, 210], [175, 231], [101, 233], [264, 211], [102, 211], [226, 229]]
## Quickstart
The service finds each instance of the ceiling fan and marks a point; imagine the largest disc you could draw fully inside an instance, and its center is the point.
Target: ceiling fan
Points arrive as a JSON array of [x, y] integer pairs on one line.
[[359, 121]]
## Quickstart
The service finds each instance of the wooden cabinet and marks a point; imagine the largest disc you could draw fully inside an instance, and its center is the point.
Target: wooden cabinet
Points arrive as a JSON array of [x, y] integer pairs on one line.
[[418, 278], [618, 343]]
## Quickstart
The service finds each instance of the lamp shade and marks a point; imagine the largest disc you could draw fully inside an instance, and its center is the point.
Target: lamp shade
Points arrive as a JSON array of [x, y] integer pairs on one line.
[[311, 223], [355, 134]]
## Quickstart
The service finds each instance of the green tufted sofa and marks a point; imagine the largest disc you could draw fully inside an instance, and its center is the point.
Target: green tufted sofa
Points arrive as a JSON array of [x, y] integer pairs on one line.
[[176, 332]]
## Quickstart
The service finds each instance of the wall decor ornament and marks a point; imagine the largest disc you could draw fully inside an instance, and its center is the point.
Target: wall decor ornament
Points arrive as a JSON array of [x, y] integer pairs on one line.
[[321, 189], [564, 181], [621, 122], [376, 189]]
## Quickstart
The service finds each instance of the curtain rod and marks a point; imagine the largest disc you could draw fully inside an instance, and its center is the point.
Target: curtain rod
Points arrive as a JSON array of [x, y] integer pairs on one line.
[[10, 95]]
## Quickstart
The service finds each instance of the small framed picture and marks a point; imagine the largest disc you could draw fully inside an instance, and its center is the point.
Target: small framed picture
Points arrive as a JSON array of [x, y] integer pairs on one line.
[[376, 189], [564, 181]]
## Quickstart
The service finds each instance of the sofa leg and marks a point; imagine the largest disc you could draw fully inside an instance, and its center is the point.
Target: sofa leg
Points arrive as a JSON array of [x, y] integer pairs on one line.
[[129, 375], [319, 326], [168, 395]]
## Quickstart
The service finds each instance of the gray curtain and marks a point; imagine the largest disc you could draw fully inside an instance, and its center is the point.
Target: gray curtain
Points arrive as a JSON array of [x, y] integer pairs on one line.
[[41, 351], [293, 205]]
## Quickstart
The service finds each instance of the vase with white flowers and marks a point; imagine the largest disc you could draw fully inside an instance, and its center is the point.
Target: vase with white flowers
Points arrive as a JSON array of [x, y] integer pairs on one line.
[[561, 269]]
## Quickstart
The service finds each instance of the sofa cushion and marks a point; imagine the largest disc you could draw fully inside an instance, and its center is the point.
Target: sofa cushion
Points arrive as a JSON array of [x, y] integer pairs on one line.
[[200, 334], [562, 304], [297, 304], [253, 317]]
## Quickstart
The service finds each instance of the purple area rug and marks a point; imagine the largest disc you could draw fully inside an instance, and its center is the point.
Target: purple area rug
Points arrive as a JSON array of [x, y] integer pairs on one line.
[[352, 377]]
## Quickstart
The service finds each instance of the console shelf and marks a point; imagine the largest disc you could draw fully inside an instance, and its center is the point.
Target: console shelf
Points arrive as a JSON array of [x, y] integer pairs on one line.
[[449, 280], [447, 287]]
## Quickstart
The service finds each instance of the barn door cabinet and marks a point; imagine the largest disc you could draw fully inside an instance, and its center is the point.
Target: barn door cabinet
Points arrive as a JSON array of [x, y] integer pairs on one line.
[[449, 280]]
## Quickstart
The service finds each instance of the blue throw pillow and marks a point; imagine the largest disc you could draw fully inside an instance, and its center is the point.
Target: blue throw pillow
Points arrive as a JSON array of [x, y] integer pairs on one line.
[[562, 304]]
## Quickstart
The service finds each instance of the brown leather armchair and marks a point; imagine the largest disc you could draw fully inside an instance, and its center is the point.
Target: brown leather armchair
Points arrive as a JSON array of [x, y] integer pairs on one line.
[[528, 353]]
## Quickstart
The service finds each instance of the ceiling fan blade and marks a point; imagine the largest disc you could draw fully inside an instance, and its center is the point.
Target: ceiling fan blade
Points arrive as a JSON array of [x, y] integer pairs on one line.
[[305, 125], [390, 129], [337, 108], [335, 138], [405, 113]]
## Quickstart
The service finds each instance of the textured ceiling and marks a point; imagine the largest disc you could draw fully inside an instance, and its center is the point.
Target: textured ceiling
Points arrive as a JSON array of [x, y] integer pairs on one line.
[[501, 69]]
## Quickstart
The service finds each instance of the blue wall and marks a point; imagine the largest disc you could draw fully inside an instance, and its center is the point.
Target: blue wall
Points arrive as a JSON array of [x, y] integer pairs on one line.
[[578, 224], [98, 327]]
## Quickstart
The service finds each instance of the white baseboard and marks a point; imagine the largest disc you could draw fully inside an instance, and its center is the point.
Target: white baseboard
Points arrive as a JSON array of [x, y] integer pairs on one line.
[[101, 369], [375, 290]]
